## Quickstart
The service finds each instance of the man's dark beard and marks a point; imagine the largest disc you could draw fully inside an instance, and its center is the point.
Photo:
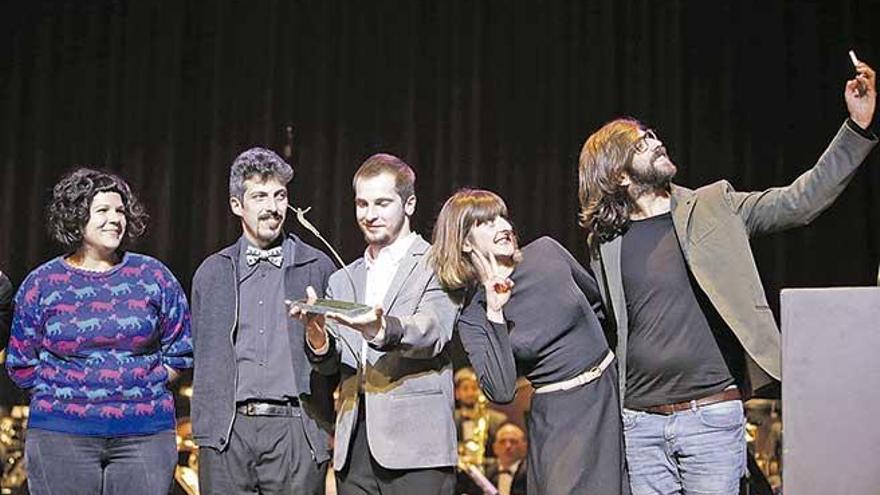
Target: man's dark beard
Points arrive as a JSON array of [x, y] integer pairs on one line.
[[638, 188], [281, 234], [652, 180]]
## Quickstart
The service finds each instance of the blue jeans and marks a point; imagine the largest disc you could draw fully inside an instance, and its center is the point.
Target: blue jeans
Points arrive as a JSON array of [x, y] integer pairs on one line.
[[63, 463], [697, 451]]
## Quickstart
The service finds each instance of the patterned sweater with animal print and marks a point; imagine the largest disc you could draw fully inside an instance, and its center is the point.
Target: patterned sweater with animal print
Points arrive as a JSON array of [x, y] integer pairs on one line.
[[92, 347]]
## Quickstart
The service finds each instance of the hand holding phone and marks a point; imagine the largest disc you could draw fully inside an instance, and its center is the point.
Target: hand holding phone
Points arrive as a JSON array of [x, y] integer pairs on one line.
[[863, 88], [860, 93]]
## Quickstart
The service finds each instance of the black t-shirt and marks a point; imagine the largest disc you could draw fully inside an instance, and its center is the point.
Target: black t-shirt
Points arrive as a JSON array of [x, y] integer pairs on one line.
[[678, 348]]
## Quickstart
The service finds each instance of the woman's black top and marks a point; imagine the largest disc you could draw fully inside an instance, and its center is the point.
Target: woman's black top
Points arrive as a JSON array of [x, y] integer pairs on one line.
[[552, 333]]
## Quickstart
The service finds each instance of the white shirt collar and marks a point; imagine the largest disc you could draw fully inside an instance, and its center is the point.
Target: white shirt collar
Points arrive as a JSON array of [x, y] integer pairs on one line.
[[512, 468], [394, 251]]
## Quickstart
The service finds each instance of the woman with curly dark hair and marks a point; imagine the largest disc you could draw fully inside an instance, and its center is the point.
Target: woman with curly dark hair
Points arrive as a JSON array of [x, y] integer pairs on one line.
[[96, 334]]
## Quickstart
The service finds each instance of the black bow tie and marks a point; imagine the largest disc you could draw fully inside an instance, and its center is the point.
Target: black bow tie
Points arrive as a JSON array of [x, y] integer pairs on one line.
[[254, 255]]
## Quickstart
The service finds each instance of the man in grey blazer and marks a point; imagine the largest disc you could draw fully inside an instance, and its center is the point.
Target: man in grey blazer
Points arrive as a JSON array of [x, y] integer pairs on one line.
[[694, 333], [395, 432]]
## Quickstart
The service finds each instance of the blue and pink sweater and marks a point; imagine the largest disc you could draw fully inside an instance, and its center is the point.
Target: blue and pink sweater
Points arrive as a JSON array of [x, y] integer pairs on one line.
[[91, 347]]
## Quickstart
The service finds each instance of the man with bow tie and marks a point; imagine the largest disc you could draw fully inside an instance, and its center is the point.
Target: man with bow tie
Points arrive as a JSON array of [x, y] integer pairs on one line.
[[261, 416]]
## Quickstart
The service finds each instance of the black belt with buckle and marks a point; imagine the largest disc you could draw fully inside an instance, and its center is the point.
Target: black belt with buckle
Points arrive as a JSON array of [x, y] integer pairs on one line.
[[269, 408]]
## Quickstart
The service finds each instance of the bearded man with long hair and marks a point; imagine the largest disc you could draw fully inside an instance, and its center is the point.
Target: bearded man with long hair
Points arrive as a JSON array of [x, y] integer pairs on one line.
[[694, 333]]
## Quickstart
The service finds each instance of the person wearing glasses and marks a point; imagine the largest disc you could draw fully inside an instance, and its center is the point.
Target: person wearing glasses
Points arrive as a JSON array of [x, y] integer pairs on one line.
[[694, 332]]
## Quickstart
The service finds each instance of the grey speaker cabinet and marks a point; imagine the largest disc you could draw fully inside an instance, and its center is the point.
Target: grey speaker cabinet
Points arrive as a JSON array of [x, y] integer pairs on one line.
[[831, 391]]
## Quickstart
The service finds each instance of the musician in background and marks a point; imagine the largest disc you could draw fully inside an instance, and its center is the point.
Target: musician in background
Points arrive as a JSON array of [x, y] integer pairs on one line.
[[467, 393], [509, 473]]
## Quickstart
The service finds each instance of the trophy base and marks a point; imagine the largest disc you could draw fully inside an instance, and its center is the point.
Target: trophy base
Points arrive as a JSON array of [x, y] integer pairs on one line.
[[324, 306]]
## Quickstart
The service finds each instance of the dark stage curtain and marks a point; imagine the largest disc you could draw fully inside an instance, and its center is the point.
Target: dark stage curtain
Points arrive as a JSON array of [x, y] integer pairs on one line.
[[498, 95]]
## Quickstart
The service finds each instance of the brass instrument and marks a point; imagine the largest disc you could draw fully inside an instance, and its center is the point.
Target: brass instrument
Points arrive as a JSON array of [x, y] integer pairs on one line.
[[187, 475], [472, 451], [13, 473]]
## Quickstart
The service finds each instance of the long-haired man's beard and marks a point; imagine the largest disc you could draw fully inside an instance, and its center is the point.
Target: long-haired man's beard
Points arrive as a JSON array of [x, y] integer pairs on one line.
[[655, 177]]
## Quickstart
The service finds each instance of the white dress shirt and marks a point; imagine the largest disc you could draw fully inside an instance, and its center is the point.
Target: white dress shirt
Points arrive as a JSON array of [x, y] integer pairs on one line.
[[381, 270], [505, 479], [380, 273]]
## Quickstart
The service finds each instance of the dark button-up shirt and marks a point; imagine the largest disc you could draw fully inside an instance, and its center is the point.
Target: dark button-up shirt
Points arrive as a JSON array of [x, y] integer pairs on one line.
[[262, 346]]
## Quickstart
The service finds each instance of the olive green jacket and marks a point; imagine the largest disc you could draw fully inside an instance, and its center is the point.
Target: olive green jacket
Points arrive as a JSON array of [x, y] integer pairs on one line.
[[714, 224]]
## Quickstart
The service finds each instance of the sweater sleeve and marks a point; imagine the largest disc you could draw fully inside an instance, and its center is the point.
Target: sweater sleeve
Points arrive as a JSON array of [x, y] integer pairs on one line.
[[174, 325], [23, 353]]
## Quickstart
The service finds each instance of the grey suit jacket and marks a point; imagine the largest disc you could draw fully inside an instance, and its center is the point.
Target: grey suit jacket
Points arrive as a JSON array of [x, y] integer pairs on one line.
[[407, 379], [714, 224]]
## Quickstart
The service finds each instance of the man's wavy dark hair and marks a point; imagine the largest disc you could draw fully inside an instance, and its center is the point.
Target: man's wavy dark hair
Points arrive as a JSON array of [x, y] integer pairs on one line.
[[261, 163], [68, 212]]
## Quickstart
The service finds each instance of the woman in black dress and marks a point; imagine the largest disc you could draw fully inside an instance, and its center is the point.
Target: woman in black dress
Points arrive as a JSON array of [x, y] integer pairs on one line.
[[534, 312]]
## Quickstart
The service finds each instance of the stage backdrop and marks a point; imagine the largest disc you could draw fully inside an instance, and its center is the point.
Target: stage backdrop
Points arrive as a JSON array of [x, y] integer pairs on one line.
[[499, 95]]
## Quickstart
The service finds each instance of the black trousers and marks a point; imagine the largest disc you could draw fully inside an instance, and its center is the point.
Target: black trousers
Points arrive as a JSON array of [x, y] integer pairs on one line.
[[363, 475], [265, 455]]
